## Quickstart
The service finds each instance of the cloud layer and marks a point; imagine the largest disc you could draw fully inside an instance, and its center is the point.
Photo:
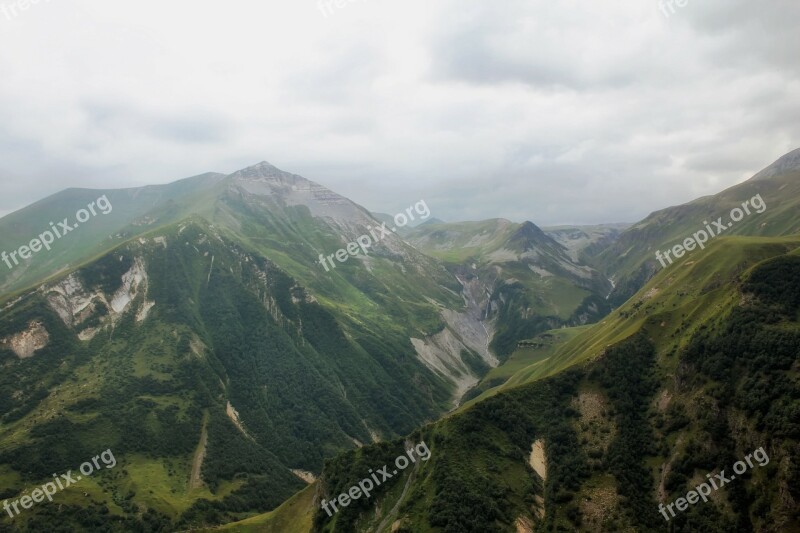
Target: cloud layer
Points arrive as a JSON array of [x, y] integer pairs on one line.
[[555, 112]]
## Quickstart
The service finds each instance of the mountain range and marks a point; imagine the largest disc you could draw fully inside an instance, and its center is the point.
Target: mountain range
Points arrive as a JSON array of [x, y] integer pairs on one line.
[[561, 377]]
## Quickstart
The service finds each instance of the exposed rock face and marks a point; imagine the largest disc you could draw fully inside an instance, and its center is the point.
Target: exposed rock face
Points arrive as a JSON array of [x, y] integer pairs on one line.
[[537, 459], [25, 343], [142, 313], [524, 525], [75, 304], [442, 351], [233, 414], [442, 354], [465, 330], [268, 181], [305, 475], [70, 300], [267, 186], [132, 280]]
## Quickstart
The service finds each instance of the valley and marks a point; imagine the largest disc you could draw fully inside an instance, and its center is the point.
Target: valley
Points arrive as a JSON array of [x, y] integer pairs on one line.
[[239, 383]]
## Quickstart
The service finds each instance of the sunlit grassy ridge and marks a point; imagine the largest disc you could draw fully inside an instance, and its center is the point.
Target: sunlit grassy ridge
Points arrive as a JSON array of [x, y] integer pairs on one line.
[[693, 293], [631, 260]]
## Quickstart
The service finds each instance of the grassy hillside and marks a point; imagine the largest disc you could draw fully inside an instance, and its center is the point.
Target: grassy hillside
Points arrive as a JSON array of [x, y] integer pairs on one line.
[[529, 355], [201, 344], [674, 305], [631, 260], [699, 370], [295, 515], [131, 212]]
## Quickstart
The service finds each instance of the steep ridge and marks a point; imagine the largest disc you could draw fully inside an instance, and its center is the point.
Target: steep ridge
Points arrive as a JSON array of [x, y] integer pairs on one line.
[[631, 260], [784, 165], [295, 221], [129, 212]]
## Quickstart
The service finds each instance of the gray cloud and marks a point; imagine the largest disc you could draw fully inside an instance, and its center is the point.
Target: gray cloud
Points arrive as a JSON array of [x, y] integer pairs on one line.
[[567, 112]]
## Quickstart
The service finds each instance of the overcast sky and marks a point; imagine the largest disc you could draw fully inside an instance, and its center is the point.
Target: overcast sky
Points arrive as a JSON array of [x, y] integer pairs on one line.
[[542, 110]]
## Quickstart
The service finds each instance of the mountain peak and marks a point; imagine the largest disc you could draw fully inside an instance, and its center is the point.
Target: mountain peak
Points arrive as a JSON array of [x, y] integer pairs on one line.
[[786, 163], [529, 230], [266, 170], [266, 165], [264, 180], [528, 236]]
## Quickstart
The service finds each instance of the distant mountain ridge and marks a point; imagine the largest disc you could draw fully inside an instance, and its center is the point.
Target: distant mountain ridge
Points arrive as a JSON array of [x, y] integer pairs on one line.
[[199, 310], [630, 260], [784, 165], [528, 277]]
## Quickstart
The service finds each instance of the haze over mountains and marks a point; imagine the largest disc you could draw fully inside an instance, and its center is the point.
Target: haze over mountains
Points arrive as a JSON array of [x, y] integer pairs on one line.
[[632, 260], [193, 331]]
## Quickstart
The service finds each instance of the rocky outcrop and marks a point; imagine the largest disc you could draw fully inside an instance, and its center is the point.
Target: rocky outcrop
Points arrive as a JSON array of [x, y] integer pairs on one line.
[[76, 304], [25, 343]]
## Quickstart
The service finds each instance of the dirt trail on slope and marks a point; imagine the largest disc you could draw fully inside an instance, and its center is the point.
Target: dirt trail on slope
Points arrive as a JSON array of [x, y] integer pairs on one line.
[[386, 522], [195, 481]]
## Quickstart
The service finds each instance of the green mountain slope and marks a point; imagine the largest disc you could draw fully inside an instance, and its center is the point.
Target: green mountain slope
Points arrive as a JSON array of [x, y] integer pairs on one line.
[[131, 212], [203, 345], [185, 332], [682, 301], [293, 222], [631, 259], [206, 346], [700, 370]]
